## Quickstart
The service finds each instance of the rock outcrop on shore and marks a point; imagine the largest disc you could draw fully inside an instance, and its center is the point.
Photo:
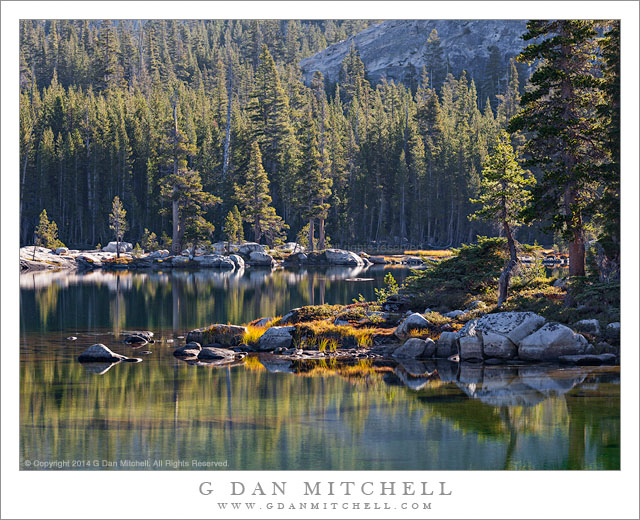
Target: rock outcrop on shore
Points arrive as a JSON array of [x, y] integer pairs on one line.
[[497, 338]]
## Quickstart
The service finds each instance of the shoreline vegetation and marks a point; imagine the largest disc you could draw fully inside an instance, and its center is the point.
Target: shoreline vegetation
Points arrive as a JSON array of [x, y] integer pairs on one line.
[[446, 310]]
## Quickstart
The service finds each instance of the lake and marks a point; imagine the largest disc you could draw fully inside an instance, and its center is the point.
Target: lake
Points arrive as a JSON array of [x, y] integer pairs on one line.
[[263, 414]]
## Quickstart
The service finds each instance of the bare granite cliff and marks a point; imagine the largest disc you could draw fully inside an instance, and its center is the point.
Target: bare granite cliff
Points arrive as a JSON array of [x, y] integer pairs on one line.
[[396, 49]]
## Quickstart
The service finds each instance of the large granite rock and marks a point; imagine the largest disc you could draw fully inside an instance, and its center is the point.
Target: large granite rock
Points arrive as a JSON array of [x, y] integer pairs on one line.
[[379, 260], [447, 345], [471, 347], [411, 349], [342, 257], [258, 258], [180, 261], [212, 261], [111, 247], [250, 247], [397, 49], [412, 322], [225, 335], [161, 253], [550, 342], [513, 325], [100, 353], [237, 260], [276, 337], [498, 346]]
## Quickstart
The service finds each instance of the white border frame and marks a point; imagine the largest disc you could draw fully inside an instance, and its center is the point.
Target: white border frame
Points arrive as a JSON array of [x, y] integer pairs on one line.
[[535, 494]]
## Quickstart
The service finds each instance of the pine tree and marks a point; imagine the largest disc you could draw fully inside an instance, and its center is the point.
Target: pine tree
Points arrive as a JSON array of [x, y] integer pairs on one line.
[[312, 188], [232, 227], [607, 212], [149, 241], [436, 62], [504, 194], [117, 222], [253, 196], [46, 234], [560, 122], [188, 204]]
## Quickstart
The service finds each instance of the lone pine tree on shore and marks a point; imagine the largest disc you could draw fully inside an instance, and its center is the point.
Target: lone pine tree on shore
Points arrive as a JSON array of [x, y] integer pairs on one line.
[[504, 194], [253, 195], [561, 126], [117, 222], [46, 234], [233, 227]]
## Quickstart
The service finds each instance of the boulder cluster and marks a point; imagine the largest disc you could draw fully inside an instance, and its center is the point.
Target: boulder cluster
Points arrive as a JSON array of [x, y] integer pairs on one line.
[[503, 336]]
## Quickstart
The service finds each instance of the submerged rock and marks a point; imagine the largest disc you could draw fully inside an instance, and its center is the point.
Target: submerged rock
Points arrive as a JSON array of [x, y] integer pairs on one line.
[[139, 336], [100, 352]]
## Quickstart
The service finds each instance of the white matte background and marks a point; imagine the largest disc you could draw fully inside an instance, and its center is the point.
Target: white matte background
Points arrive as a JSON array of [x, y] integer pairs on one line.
[[174, 494]]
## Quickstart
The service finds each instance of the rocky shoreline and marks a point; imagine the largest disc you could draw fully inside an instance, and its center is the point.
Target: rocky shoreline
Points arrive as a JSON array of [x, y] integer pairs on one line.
[[248, 254], [501, 338]]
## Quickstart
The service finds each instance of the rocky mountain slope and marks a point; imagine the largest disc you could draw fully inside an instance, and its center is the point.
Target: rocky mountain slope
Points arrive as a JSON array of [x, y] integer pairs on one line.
[[396, 49]]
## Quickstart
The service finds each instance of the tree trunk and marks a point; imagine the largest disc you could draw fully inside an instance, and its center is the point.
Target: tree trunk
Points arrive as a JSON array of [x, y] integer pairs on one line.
[[227, 135], [311, 233], [175, 217], [576, 255], [505, 276], [321, 245], [117, 241], [576, 246]]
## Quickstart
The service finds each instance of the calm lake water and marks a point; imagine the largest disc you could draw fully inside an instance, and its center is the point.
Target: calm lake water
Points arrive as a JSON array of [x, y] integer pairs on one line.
[[163, 413]]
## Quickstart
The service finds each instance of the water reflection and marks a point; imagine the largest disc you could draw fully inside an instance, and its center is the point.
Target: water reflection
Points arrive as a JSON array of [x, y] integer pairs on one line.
[[270, 413], [181, 299]]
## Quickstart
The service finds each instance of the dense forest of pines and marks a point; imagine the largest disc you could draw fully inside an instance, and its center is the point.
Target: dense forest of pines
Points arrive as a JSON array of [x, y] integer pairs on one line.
[[185, 120]]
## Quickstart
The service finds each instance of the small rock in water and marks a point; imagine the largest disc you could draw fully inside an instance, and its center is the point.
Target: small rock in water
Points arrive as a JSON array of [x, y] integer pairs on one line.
[[100, 352], [169, 341], [71, 338], [145, 352], [180, 337]]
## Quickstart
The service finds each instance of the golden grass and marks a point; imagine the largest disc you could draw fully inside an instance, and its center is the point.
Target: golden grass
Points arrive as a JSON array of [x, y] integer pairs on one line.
[[311, 333], [253, 334], [436, 318], [437, 253]]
